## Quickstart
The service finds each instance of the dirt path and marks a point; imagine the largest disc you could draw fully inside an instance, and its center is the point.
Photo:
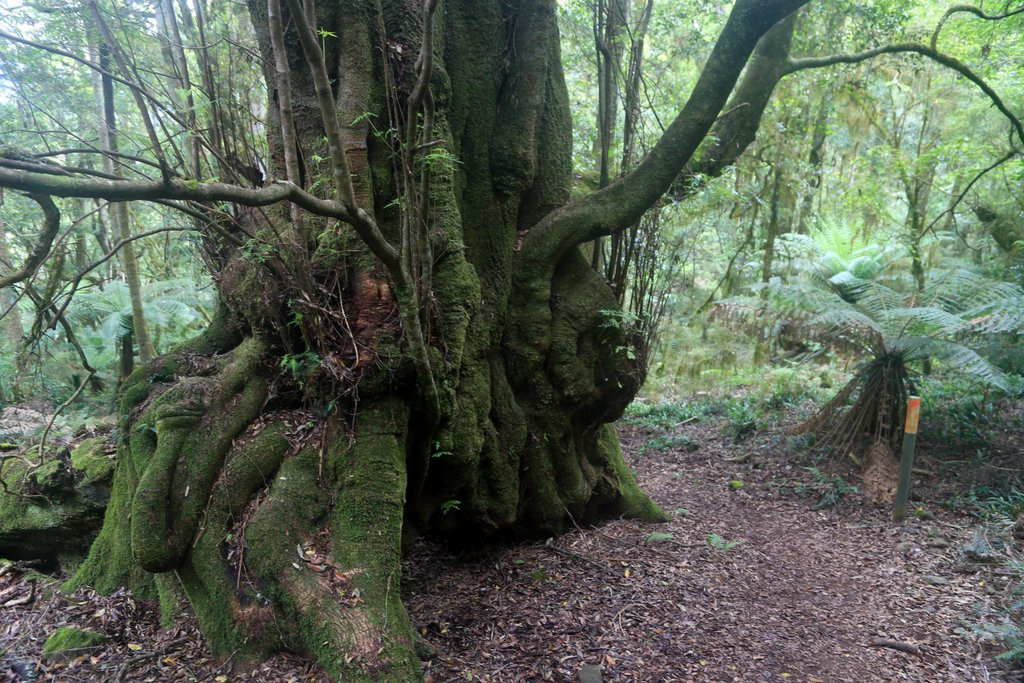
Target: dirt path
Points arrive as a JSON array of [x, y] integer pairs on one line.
[[789, 594], [802, 597]]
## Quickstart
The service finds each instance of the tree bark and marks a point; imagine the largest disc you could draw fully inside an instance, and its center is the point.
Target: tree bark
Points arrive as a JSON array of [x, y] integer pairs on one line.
[[285, 529]]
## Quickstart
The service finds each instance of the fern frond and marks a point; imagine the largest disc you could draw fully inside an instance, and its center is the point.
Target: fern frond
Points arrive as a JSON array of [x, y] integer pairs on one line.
[[961, 359], [924, 320]]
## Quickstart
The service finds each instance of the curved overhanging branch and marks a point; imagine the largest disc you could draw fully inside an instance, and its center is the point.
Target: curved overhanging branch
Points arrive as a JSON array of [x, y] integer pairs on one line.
[[185, 190], [915, 48], [737, 127], [625, 200], [51, 225], [970, 9]]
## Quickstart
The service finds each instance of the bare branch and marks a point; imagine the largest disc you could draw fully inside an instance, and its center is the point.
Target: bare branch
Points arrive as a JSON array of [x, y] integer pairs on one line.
[[325, 98], [51, 225], [156, 101], [160, 191], [282, 81], [917, 48], [977, 176], [140, 101], [970, 9]]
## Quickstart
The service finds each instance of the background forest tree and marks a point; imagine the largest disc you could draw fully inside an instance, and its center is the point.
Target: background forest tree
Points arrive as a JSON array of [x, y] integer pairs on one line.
[[437, 283]]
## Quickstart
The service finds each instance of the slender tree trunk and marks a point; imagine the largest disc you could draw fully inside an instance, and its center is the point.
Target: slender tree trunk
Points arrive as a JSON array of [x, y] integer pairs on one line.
[[13, 331], [118, 214], [814, 160]]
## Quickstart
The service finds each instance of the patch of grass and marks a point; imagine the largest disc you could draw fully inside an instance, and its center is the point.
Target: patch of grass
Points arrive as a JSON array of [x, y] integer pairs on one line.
[[664, 414], [828, 489], [988, 503], [668, 442]]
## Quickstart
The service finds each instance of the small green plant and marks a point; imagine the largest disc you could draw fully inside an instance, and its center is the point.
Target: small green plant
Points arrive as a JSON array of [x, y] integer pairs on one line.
[[669, 442], [1004, 625], [658, 537], [988, 503], [829, 490], [437, 452], [440, 160], [720, 544], [301, 366], [956, 413], [324, 35], [743, 418], [449, 505], [665, 414], [256, 251]]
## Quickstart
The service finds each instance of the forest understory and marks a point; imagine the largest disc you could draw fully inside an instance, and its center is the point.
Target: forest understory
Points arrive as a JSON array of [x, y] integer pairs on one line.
[[773, 568]]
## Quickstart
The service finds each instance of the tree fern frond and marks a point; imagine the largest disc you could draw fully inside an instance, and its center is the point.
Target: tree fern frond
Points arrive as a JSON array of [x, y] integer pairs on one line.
[[865, 267], [967, 362], [925, 320], [848, 326]]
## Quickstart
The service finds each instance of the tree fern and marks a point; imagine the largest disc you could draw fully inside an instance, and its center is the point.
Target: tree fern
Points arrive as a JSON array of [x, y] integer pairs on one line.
[[174, 310], [854, 310]]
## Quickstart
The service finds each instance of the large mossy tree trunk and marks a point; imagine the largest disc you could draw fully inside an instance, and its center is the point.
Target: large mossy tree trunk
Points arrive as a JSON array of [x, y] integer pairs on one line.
[[271, 469]]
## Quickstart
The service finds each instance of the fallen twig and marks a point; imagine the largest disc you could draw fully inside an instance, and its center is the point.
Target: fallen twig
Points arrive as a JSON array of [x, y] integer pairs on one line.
[[122, 672], [909, 648], [575, 556], [24, 600]]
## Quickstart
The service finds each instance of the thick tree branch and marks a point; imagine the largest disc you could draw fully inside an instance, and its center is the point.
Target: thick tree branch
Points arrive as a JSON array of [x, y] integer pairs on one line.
[[625, 200], [916, 48], [51, 225], [737, 128]]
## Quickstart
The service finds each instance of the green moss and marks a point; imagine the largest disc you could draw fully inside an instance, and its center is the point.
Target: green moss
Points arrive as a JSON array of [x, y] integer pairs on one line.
[[196, 421], [229, 612], [90, 458], [631, 500], [109, 564], [55, 510], [71, 642]]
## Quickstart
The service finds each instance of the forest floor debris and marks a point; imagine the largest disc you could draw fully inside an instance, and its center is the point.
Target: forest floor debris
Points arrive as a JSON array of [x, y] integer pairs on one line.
[[747, 582]]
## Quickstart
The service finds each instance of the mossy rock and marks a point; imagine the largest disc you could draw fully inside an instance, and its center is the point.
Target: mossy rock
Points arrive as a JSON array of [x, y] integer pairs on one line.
[[68, 642], [91, 459], [55, 511]]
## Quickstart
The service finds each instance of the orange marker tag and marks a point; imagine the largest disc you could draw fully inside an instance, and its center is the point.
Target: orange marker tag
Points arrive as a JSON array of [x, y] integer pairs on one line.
[[913, 413]]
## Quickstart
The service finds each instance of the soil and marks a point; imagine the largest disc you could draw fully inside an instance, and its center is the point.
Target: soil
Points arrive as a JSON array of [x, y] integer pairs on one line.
[[748, 582]]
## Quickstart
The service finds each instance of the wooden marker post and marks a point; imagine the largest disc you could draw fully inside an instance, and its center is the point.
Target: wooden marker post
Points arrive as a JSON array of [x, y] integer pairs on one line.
[[899, 511]]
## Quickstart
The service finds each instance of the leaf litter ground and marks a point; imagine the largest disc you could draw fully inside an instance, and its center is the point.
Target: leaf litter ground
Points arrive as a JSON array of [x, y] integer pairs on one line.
[[747, 582]]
